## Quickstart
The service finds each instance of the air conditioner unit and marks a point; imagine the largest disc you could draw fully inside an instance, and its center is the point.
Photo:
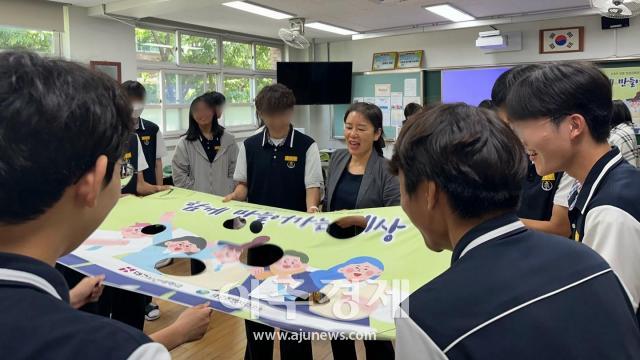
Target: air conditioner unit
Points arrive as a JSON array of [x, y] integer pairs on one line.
[[492, 40]]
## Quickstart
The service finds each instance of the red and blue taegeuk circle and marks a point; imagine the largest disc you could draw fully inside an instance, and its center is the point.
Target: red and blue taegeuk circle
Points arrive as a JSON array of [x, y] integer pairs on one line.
[[560, 40]]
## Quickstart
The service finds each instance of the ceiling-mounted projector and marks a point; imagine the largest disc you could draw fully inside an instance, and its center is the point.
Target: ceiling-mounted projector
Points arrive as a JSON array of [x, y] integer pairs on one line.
[[491, 40]]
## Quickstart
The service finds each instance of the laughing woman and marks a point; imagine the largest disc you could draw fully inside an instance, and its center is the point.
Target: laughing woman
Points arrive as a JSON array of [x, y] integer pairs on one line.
[[358, 178], [205, 158]]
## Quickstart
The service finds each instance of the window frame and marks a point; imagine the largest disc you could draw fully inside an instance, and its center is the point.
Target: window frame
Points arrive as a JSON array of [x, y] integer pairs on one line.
[[220, 71], [56, 41]]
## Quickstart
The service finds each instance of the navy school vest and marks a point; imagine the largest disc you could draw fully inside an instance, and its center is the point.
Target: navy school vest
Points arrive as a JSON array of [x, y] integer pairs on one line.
[[131, 156], [148, 134], [536, 196], [275, 175]]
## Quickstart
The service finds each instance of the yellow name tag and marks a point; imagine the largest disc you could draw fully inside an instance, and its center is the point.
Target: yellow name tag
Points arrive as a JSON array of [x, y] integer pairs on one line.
[[550, 177], [145, 138], [217, 148], [127, 156], [576, 237], [290, 158]]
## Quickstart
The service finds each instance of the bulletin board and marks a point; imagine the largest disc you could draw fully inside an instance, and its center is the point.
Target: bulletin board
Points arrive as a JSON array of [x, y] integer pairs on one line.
[[363, 86]]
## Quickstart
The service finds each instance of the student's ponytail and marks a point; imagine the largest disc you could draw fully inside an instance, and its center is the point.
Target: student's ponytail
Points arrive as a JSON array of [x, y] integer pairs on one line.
[[372, 113]]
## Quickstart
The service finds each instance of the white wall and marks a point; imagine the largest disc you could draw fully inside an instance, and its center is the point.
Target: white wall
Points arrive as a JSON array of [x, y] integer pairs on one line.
[[454, 48], [89, 38]]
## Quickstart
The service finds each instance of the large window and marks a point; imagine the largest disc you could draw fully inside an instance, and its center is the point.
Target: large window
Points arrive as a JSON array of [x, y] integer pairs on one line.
[[152, 45], [198, 50], [204, 62], [43, 42]]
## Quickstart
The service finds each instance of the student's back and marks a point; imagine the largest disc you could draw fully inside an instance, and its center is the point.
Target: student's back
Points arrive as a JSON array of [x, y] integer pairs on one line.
[[543, 296], [35, 324], [613, 201]]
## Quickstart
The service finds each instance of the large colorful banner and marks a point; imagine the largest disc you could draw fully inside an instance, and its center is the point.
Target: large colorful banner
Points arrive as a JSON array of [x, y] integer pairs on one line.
[[626, 87], [321, 283]]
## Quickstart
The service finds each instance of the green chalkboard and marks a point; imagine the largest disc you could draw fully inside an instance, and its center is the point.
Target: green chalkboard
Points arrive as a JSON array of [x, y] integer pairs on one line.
[[363, 85]]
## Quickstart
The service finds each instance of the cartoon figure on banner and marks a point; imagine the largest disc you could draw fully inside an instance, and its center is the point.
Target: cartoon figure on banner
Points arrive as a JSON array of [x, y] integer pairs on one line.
[[352, 293], [224, 269], [278, 281], [129, 239], [168, 244]]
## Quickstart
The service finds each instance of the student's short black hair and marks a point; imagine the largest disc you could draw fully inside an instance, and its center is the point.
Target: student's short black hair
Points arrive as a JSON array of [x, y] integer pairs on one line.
[[213, 99], [274, 99], [507, 79], [56, 119], [561, 89], [411, 109], [487, 104], [621, 114], [134, 89], [195, 240], [473, 157]]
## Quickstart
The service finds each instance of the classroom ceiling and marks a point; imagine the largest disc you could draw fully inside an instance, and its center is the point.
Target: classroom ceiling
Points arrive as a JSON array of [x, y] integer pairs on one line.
[[358, 15]]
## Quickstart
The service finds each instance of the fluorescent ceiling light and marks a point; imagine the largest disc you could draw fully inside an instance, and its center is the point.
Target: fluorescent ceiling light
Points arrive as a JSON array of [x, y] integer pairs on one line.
[[258, 10], [449, 12], [330, 28]]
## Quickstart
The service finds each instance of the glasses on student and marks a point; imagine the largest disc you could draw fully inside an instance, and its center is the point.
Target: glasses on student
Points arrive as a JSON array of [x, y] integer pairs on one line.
[[126, 173]]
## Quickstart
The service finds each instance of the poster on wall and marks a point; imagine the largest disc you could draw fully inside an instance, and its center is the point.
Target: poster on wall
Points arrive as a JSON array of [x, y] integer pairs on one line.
[[625, 83], [562, 40], [384, 61], [410, 59], [319, 282], [384, 103]]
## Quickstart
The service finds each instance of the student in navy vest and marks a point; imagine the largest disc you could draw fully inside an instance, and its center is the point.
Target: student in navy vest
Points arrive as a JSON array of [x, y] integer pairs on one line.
[[151, 150], [149, 133], [359, 178], [511, 292], [73, 142], [205, 157], [279, 167], [544, 198], [562, 113]]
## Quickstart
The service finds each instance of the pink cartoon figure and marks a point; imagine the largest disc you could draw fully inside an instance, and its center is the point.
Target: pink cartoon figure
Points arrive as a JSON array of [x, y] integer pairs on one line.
[[132, 232]]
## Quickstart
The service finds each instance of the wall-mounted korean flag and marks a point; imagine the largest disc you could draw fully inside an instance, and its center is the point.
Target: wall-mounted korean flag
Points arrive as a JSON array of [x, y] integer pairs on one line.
[[562, 40]]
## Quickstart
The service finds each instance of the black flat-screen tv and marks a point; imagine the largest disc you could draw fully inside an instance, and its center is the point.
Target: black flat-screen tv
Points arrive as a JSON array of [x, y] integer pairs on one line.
[[317, 83]]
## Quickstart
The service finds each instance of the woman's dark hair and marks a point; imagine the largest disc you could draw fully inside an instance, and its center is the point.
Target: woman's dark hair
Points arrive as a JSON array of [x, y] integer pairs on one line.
[[561, 89], [374, 115], [621, 113], [56, 119], [213, 99], [197, 241], [473, 157]]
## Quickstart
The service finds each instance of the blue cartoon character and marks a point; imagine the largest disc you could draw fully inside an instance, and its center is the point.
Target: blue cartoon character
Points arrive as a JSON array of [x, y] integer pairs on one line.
[[351, 288]]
